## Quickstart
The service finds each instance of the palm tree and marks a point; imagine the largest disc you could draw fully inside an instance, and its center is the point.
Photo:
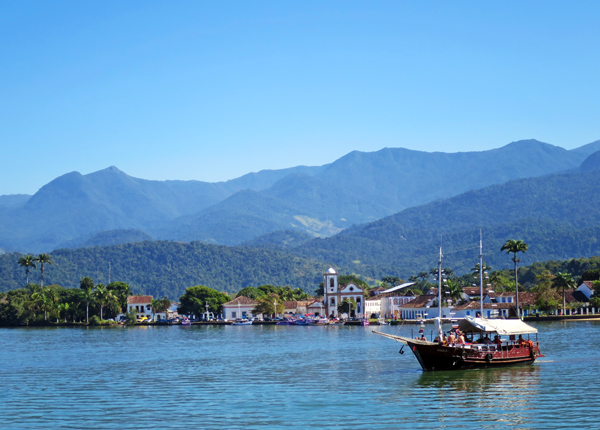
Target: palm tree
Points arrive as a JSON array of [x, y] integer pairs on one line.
[[104, 297], [160, 305], [43, 259], [87, 295], [27, 261], [563, 280], [515, 246], [101, 296]]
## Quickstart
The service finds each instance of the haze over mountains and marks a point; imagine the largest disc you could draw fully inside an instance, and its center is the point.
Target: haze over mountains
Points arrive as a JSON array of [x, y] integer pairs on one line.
[[558, 214], [321, 201]]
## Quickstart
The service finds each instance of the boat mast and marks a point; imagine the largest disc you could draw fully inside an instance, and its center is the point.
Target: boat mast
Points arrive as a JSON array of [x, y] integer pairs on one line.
[[480, 275], [440, 284]]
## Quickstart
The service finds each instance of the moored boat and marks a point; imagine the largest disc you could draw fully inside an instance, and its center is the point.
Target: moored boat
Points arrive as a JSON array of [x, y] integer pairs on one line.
[[440, 355], [242, 321]]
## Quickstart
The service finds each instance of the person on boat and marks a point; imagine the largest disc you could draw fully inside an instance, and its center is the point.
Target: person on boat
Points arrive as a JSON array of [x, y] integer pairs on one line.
[[451, 339], [498, 341], [521, 341], [461, 339]]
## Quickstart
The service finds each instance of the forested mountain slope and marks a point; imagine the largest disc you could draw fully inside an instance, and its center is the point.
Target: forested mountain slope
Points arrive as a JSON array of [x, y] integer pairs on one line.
[[168, 268], [558, 215]]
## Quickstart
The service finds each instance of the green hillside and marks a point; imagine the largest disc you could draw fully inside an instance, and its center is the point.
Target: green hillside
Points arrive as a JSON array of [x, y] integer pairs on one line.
[[168, 268], [557, 215]]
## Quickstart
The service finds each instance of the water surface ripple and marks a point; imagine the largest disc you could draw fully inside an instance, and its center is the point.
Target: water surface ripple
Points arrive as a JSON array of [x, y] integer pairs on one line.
[[252, 377]]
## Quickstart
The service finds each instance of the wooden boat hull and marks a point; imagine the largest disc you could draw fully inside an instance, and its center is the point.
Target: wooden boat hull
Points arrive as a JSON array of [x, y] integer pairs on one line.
[[433, 356]]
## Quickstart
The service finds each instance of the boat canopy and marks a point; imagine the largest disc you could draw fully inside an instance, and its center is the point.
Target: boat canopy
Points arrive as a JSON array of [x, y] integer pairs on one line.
[[502, 327]]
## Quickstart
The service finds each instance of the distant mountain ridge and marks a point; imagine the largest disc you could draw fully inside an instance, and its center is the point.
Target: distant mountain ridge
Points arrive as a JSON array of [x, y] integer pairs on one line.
[[321, 201], [558, 215]]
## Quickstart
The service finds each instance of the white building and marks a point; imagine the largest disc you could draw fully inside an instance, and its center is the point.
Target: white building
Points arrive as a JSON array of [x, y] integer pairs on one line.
[[240, 307], [334, 294], [373, 307], [316, 308]]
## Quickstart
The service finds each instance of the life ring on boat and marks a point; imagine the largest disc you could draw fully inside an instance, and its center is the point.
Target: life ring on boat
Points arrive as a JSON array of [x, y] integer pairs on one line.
[[489, 357], [463, 354], [533, 353]]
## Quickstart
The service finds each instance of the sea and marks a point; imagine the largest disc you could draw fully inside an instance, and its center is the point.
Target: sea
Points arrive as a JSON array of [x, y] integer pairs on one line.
[[288, 377]]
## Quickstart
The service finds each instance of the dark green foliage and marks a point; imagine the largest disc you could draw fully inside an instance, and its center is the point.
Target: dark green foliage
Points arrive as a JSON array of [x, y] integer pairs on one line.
[[251, 293], [591, 275], [196, 298], [131, 317], [121, 291], [95, 320], [347, 306], [280, 240], [352, 279], [165, 268]]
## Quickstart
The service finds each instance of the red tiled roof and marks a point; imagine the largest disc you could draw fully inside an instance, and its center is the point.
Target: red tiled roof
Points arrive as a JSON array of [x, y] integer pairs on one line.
[[419, 302], [290, 304], [136, 300], [241, 300]]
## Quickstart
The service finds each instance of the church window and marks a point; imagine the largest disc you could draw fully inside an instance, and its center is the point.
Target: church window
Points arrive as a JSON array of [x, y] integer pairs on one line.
[[331, 283]]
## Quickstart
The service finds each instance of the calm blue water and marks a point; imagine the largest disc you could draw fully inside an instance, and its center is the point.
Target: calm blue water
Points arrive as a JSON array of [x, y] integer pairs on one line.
[[252, 377]]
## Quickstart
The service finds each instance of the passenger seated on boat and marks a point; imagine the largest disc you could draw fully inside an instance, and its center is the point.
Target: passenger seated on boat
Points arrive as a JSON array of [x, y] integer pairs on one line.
[[461, 339], [521, 341], [487, 340], [451, 339], [498, 341], [444, 339]]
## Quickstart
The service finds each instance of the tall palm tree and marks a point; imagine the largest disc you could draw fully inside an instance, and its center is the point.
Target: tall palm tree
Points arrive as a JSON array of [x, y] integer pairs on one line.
[[563, 280], [43, 259], [104, 297], [515, 246], [87, 295], [27, 261], [160, 305]]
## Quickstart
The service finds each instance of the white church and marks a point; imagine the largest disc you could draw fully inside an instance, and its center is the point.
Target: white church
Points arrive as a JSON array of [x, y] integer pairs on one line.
[[334, 294]]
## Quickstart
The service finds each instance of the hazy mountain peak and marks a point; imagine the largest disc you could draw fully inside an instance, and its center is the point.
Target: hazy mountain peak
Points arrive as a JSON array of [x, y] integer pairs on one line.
[[591, 163]]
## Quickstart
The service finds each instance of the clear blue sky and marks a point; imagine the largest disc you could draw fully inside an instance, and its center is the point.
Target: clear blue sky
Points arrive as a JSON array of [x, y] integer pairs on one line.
[[211, 90]]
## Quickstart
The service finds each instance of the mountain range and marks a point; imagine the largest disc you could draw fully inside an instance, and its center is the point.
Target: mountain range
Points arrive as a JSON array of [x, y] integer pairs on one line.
[[557, 214], [321, 201]]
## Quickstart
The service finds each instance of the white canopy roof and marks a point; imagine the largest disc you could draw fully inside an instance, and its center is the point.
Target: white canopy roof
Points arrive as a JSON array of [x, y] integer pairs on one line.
[[502, 327], [398, 287]]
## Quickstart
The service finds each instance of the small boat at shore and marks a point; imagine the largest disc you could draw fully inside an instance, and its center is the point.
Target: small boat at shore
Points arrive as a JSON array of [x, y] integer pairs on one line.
[[242, 321], [186, 321], [439, 355]]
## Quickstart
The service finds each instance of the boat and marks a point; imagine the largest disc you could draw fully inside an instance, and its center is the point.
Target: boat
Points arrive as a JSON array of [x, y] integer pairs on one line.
[[186, 321], [242, 321], [364, 321], [482, 353]]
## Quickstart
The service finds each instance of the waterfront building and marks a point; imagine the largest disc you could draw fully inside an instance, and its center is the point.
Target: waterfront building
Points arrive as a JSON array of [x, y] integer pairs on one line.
[[391, 302], [142, 305], [316, 307], [373, 307], [334, 294], [240, 307]]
